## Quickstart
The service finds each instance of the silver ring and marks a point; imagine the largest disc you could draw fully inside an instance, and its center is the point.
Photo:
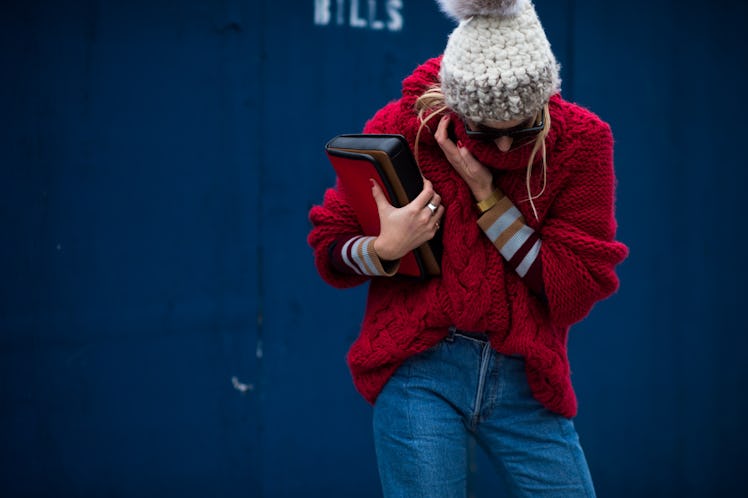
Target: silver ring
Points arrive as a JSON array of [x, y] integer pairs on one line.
[[431, 207]]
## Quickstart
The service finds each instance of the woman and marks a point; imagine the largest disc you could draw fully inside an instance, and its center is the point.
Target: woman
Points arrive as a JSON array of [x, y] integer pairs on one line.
[[522, 183]]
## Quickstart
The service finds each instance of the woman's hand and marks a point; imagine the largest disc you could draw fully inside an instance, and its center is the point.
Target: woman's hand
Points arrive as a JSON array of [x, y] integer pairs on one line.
[[403, 229], [477, 176]]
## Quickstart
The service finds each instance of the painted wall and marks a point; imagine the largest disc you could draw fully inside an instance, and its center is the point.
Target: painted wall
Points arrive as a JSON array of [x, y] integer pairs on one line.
[[163, 331]]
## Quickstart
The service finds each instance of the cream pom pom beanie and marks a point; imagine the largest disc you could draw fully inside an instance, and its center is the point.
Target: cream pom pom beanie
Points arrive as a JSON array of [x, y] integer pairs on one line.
[[498, 63]]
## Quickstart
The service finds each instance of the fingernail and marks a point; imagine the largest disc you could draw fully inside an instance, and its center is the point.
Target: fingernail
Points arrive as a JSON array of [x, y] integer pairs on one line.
[[459, 144]]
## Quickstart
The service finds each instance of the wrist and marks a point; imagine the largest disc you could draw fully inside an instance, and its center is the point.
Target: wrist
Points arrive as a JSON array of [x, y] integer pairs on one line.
[[483, 193], [489, 201], [381, 250]]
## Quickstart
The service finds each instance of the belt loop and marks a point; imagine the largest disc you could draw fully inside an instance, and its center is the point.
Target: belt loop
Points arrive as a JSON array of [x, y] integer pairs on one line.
[[451, 336]]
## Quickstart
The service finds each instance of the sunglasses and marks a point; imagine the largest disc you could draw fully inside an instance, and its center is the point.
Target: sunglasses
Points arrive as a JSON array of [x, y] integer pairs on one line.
[[521, 133]]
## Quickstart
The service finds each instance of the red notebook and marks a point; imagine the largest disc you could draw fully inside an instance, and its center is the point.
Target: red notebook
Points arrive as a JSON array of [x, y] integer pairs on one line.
[[387, 159]]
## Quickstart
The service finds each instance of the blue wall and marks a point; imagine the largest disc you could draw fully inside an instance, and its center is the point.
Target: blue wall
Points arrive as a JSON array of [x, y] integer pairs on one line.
[[163, 331]]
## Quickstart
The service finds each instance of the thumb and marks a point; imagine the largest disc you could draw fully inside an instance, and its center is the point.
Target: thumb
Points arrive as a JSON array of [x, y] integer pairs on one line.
[[379, 196]]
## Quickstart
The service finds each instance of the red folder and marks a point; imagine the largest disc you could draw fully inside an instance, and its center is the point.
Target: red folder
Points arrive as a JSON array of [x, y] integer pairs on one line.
[[388, 160]]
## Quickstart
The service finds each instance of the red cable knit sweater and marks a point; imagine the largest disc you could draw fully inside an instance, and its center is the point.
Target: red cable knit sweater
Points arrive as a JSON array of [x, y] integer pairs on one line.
[[478, 290]]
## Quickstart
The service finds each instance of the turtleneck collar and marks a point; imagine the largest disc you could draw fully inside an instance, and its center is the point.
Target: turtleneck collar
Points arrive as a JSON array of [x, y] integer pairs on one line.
[[517, 158]]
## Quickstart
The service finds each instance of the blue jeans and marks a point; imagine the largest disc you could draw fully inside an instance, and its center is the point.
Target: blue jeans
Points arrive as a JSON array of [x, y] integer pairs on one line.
[[424, 416]]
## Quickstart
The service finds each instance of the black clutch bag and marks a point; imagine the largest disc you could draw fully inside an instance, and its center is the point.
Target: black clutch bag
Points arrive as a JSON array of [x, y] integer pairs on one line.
[[387, 159]]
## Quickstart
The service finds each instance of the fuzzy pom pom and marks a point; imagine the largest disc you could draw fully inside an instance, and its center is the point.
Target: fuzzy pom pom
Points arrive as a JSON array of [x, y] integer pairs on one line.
[[462, 9]]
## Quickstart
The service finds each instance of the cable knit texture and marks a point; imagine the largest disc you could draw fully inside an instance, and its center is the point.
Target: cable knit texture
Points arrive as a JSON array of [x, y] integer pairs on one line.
[[478, 291]]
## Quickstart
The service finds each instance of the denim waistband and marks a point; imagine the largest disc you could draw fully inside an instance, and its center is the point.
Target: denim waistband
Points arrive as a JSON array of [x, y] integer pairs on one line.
[[476, 336]]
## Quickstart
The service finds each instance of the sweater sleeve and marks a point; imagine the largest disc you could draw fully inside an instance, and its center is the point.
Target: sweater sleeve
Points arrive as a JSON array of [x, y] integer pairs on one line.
[[332, 222], [517, 242], [356, 255], [579, 253]]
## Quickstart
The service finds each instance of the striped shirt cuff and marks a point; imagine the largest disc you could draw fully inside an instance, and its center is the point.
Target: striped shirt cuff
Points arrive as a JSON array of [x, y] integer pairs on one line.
[[517, 242], [356, 255]]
